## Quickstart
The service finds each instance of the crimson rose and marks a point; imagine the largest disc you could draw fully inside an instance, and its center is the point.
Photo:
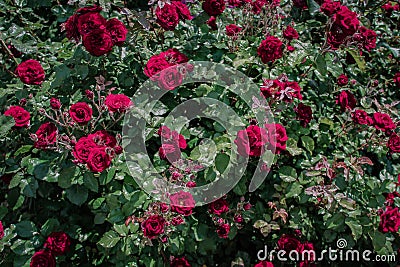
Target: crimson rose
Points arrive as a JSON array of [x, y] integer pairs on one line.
[[264, 264], [80, 112], [270, 49], [394, 144], [55, 103], [117, 30], [232, 30], [223, 230], [276, 136], [43, 258], [20, 115], [214, 7], [383, 122], [218, 206], [153, 226], [180, 262], [58, 243], [289, 243], [361, 117], [82, 149], [290, 33], [342, 80], [304, 114], [346, 100], [46, 135], [167, 17], [170, 78], [250, 142], [396, 79], [182, 203], [330, 7], [30, 72], [98, 160], [89, 22], [118, 102], [390, 220], [98, 42]]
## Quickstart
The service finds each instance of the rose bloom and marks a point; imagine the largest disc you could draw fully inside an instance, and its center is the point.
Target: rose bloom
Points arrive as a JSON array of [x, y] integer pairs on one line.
[[235, 3], [291, 90], [218, 207], [166, 59], [366, 37], [170, 78], [80, 112], [271, 88], [232, 30], [290, 33], [1, 230], [342, 80], [264, 264], [98, 160], [396, 79], [302, 4], [336, 37], [117, 30], [153, 226], [118, 102], [90, 22], [103, 138], [20, 115], [304, 114], [289, 243], [212, 22], [394, 144], [177, 221], [382, 121], [270, 49], [361, 117], [169, 150], [58, 243], [250, 142], [30, 72], [223, 230], [82, 149], [71, 28], [46, 135], [98, 42], [346, 100], [276, 136], [55, 103], [180, 262], [43, 258], [390, 220], [182, 203], [347, 20], [167, 17], [214, 7], [330, 7], [183, 10]]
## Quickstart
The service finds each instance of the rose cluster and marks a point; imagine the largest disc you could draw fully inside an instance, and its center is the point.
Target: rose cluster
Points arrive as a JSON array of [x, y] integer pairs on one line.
[[169, 14], [96, 150], [163, 68], [98, 34], [281, 89], [288, 243], [56, 244], [171, 144]]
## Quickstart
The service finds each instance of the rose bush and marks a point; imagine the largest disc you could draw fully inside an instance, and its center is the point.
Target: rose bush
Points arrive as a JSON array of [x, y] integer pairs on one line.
[[328, 71]]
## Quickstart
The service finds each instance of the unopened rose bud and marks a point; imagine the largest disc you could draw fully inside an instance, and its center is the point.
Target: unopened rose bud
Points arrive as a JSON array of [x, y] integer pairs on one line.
[[30, 96], [353, 82], [89, 94], [42, 111], [247, 206], [238, 218], [375, 83], [164, 239], [118, 150], [55, 103], [33, 137], [22, 102], [191, 184]]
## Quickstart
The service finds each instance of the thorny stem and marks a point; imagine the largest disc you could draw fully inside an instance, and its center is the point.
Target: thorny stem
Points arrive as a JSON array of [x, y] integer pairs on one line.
[[4, 45]]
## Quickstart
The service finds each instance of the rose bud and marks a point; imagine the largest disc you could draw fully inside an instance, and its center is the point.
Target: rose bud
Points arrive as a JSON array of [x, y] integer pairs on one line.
[[55, 103], [247, 206], [89, 94]]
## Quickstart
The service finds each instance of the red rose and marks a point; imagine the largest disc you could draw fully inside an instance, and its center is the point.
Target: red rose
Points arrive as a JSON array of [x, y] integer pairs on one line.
[[250, 142], [212, 22], [383, 122], [214, 7], [290, 90], [232, 30], [307, 246], [58, 243], [270, 49], [302, 4], [271, 88], [347, 20], [304, 114], [177, 221], [167, 17], [170, 151], [336, 36], [366, 38], [396, 79], [89, 22], [118, 102], [183, 10], [223, 230], [218, 207], [82, 149], [117, 30], [174, 57], [330, 7], [289, 243], [235, 3], [361, 117], [346, 100], [153, 226], [55, 103], [80, 112], [390, 220], [1, 230], [43, 258], [394, 144], [290, 33], [170, 78], [164, 132], [20, 115], [98, 160], [155, 64], [71, 28], [30, 72], [98, 42], [191, 184], [172, 141], [103, 139], [276, 137], [182, 203], [264, 264], [46, 135], [342, 80], [180, 262]]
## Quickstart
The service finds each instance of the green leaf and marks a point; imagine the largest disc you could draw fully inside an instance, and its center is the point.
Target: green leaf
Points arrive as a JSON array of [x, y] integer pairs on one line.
[[378, 240], [6, 123], [359, 59], [25, 229], [221, 162], [77, 194], [29, 187], [308, 143], [288, 174], [355, 227], [51, 225], [294, 190], [66, 176], [335, 222], [109, 239], [320, 64], [313, 7], [90, 182], [22, 247]]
